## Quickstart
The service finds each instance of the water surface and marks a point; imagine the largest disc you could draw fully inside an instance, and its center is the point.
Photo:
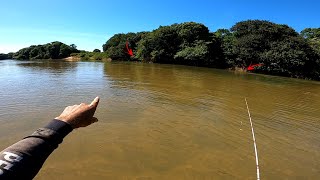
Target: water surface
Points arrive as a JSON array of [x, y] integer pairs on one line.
[[165, 121]]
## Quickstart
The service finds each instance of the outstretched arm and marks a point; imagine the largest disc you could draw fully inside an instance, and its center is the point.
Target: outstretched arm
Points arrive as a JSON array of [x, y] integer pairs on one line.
[[24, 159]]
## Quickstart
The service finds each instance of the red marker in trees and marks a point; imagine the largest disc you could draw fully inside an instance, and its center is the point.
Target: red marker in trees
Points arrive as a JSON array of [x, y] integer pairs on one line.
[[129, 50], [251, 67]]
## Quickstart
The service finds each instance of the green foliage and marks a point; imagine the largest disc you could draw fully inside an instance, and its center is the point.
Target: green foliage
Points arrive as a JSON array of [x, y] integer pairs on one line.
[[167, 44], [10, 55], [292, 57], [278, 47], [5, 56], [159, 45], [191, 32], [194, 54], [312, 35], [54, 50], [96, 50], [253, 37], [115, 47], [226, 41], [91, 55], [73, 46], [187, 43]]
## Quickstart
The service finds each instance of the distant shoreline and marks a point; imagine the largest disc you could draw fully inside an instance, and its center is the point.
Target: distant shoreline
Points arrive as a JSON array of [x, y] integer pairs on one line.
[[270, 48]]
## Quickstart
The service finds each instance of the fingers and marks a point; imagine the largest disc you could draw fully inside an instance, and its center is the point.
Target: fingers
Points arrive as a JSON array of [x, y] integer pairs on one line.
[[94, 119], [95, 102]]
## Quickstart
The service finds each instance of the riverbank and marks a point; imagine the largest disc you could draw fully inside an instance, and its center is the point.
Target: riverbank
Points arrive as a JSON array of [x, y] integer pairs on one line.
[[89, 56], [72, 58]]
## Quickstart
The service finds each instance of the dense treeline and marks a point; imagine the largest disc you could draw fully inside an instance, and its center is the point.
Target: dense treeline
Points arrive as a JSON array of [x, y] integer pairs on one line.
[[115, 47], [280, 49], [54, 50], [187, 43], [6, 56]]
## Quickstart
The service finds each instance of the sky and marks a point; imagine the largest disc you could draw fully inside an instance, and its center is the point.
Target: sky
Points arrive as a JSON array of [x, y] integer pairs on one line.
[[90, 23]]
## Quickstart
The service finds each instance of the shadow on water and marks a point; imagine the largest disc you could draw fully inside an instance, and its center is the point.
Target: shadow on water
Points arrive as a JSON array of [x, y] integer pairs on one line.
[[56, 66]]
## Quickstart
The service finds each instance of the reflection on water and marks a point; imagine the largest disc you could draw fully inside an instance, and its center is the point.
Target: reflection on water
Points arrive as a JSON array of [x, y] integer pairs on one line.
[[165, 121]]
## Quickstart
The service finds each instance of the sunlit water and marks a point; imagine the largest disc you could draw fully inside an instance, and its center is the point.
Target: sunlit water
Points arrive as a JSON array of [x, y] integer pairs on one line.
[[165, 121]]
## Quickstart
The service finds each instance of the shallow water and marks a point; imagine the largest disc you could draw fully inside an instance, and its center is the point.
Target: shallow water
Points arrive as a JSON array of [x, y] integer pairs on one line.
[[165, 121]]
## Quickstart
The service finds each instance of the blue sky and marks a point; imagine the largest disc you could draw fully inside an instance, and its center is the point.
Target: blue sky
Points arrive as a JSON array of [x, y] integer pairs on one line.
[[89, 24]]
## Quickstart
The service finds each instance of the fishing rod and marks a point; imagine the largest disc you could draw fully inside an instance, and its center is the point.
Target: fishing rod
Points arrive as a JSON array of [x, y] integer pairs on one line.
[[254, 141]]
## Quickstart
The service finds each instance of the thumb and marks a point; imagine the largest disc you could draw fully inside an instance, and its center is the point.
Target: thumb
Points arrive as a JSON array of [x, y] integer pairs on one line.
[[95, 102]]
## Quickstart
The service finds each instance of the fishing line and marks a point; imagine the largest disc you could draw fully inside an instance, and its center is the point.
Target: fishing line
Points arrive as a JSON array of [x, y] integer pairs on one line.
[[254, 141]]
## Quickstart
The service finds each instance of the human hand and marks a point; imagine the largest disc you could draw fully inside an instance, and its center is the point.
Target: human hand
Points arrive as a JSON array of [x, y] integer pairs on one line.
[[80, 115]]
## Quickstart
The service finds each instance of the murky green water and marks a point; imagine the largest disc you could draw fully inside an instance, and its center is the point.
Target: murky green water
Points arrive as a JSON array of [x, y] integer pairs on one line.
[[165, 121]]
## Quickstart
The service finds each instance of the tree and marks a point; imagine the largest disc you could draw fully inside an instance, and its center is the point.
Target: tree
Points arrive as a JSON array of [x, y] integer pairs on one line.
[[226, 40], [160, 45], [10, 55], [64, 51], [190, 32], [198, 46], [96, 50], [116, 45], [292, 57], [54, 50], [312, 35], [187, 43], [6, 56], [3, 56], [278, 47], [73, 46], [196, 54], [253, 37]]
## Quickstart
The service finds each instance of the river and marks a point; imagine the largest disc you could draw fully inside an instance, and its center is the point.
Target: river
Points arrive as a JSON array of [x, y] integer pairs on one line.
[[165, 121]]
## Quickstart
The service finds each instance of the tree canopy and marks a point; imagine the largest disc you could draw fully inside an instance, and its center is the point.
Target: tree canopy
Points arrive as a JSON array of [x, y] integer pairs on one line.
[[280, 49], [6, 56], [54, 50], [187, 43], [115, 47], [312, 35]]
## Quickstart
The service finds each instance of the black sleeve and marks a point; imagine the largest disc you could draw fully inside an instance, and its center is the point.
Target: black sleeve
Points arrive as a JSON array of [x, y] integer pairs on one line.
[[24, 159]]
